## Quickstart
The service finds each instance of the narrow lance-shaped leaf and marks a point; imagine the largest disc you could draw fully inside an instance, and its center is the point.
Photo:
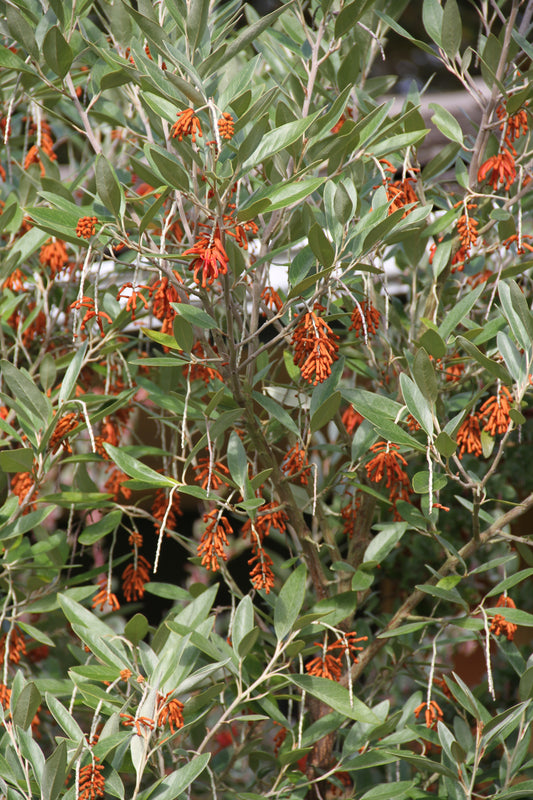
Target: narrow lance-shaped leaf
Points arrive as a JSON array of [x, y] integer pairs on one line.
[[289, 602]]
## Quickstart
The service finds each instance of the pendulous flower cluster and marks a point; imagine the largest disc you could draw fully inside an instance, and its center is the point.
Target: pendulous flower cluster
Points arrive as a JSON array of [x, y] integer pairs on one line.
[[315, 347]]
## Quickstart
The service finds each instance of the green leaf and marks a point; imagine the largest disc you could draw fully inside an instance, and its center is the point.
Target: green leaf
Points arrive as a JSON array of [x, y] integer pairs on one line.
[[457, 313], [449, 595], [410, 627], [57, 52], [350, 14], [515, 361], [452, 29], [398, 142], [278, 139], [136, 469], [237, 461], [402, 791], [445, 444], [19, 460], [416, 403], [491, 366], [289, 602], [167, 167], [54, 773], [93, 533], [183, 333], [194, 315], [136, 629], [64, 719], [24, 523], [421, 482], [280, 195], [276, 411], [325, 411], [26, 706], [243, 622], [424, 375], [21, 31], [22, 387], [384, 541], [321, 246], [335, 696], [179, 780], [198, 12], [433, 343], [343, 203], [446, 123], [71, 375], [432, 19], [108, 187], [514, 615]]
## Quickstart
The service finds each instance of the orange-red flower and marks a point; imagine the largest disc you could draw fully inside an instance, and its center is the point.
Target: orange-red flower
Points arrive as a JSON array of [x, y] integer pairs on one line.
[[469, 436], [226, 126], [261, 574], [513, 126], [499, 624], [170, 711], [54, 255], [104, 598], [159, 509], [386, 463], [91, 313], [133, 294], [295, 463], [502, 170], [115, 484], [315, 348], [201, 371], [467, 228], [495, 411], [351, 419], [65, 425], [401, 193], [5, 696], [206, 473], [432, 713], [211, 547], [15, 643], [365, 319], [21, 484], [134, 577], [329, 663], [187, 124], [92, 782], [349, 515], [211, 260], [86, 227], [271, 298]]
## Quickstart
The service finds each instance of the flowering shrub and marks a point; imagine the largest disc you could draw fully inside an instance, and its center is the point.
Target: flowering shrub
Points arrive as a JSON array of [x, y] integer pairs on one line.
[[355, 463]]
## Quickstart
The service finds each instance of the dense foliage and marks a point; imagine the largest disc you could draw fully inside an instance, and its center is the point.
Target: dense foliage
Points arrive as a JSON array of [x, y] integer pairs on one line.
[[201, 209]]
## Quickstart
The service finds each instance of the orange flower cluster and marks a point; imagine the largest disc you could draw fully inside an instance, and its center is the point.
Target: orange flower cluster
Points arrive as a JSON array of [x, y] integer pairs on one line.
[[133, 295], [53, 254], [141, 724], [351, 419], [21, 484], [199, 371], [159, 509], [389, 463], [92, 782], [271, 298], [109, 433], [329, 663], [514, 125], [46, 145], [295, 463], [226, 126], [64, 426], [412, 423], [467, 229], [349, 515], [115, 484], [170, 711], [315, 347], [5, 696], [187, 125], [401, 193], [453, 370], [17, 645], [365, 320], [104, 598], [502, 170], [211, 547], [86, 227], [134, 577], [210, 481], [91, 313], [496, 410], [499, 624], [164, 293], [240, 230], [270, 515], [432, 713], [522, 246], [211, 260], [469, 436]]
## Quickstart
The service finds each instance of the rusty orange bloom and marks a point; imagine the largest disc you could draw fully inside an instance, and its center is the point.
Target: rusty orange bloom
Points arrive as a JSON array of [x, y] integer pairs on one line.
[[159, 509], [467, 229], [495, 411], [386, 463], [330, 661], [295, 463], [261, 575], [315, 348], [271, 299], [499, 624], [211, 547], [432, 713], [226, 126], [133, 293], [401, 193], [92, 782], [351, 419], [164, 294], [133, 579], [142, 724], [21, 484], [104, 598], [502, 170], [211, 260], [522, 245], [349, 516], [206, 473], [125, 674], [170, 711], [201, 371], [65, 425], [54, 255], [187, 124], [513, 125], [365, 319], [469, 436], [115, 484], [15, 643], [91, 313], [86, 227], [5, 695]]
